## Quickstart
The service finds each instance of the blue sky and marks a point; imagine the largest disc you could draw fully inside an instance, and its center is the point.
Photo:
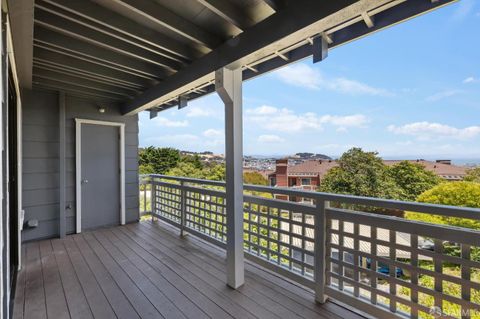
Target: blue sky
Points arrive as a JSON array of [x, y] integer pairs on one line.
[[412, 90]]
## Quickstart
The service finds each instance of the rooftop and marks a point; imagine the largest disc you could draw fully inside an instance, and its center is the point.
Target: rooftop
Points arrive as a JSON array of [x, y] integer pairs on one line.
[[320, 168]]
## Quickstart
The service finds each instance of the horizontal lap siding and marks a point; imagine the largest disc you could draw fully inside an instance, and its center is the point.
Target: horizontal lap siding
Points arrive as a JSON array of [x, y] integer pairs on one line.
[[40, 163], [41, 160]]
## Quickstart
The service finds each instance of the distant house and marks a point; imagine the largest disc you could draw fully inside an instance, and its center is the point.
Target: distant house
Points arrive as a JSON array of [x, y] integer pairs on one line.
[[309, 174], [442, 168], [306, 175]]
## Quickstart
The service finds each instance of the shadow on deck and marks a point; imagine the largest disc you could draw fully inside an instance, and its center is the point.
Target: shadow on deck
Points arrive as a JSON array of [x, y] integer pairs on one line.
[[146, 270]]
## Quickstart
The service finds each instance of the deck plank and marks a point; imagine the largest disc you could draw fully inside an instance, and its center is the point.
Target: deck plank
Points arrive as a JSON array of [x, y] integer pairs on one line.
[[157, 259], [216, 264], [93, 292], [54, 295], [265, 279], [177, 250], [146, 270], [19, 302], [130, 288], [279, 289], [159, 288], [119, 302], [76, 300], [35, 306], [167, 279]]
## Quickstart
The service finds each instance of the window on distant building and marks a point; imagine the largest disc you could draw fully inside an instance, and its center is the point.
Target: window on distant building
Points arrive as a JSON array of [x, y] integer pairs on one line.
[[307, 200], [273, 181], [306, 181], [293, 182]]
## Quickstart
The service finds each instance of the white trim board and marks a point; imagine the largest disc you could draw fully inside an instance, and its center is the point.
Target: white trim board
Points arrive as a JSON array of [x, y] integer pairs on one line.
[[78, 174]]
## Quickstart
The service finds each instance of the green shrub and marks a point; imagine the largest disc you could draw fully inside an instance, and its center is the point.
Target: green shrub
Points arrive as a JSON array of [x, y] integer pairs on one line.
[[464, 194]]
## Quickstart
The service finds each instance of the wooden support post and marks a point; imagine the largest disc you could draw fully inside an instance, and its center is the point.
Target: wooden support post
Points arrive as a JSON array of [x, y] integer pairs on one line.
[[320, 251], [62, 161], [320, 49], [228, 84]]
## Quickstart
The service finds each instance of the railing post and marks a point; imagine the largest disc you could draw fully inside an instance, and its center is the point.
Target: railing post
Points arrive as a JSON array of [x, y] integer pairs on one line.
[[320, 250], [153, 199], [183, 209], [144, 183]]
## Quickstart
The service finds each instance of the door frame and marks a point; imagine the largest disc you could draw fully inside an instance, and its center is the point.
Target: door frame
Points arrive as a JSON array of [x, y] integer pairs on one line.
[[78, 171]]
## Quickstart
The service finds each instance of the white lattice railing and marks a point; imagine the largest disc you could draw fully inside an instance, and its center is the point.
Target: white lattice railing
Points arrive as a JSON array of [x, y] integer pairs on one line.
[[382, 265]]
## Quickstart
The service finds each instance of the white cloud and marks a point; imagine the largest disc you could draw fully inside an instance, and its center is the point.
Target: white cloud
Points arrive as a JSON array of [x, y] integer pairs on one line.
[[300, 75], [163, 121], [263, 110], [470, 79], [270, 139], [305, 76], [430, 131], [286, 120], [443, 95], [347, 86], [356, 120], [198, 111], [272, 118], [212, 133]]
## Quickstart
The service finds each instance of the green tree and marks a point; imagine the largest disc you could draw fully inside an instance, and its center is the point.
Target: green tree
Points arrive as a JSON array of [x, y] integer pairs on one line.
[[194, 160], [186, 169], [215, 173], [145, 169], [413, 179], [189, 169], [473, 175], [464, 194], [254, 178], [363, 174], [158, 160]]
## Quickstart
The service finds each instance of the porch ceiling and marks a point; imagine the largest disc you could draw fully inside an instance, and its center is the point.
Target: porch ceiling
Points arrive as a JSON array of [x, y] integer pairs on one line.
[[145, 54]]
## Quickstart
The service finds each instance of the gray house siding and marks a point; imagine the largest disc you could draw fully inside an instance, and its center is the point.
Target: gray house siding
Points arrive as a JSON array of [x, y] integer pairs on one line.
[[41, 162]]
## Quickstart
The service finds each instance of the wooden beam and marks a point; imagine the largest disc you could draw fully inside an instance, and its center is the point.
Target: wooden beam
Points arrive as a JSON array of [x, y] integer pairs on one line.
[[166, 18], [98, 14], [70, 61], [61, 86], [319, 49], [91, 34], [287, 26], [52, 39], [55, 75], [229, 12], [368, 20], [20, 14], [383, 19], [276, 5]]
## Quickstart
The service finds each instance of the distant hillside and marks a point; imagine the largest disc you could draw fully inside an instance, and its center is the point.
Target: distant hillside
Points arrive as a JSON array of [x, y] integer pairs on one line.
[[312, 156]]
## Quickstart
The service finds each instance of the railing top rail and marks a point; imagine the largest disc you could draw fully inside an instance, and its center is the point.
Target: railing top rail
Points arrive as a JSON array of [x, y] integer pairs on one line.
[[189, 180], [442, 210]]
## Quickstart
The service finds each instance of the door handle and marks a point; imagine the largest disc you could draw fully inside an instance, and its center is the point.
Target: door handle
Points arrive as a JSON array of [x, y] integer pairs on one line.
[[84, 181]]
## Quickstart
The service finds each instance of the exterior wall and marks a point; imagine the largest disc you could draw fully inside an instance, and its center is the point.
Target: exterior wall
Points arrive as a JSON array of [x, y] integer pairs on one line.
[[41, 161], [297, 181], [281, 172]]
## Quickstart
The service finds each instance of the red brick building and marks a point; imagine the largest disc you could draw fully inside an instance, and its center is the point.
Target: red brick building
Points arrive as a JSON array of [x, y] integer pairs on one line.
[[309, 174], [306, 176]]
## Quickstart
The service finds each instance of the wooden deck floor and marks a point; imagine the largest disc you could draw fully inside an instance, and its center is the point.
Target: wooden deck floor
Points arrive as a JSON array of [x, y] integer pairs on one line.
[[146, 270]]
